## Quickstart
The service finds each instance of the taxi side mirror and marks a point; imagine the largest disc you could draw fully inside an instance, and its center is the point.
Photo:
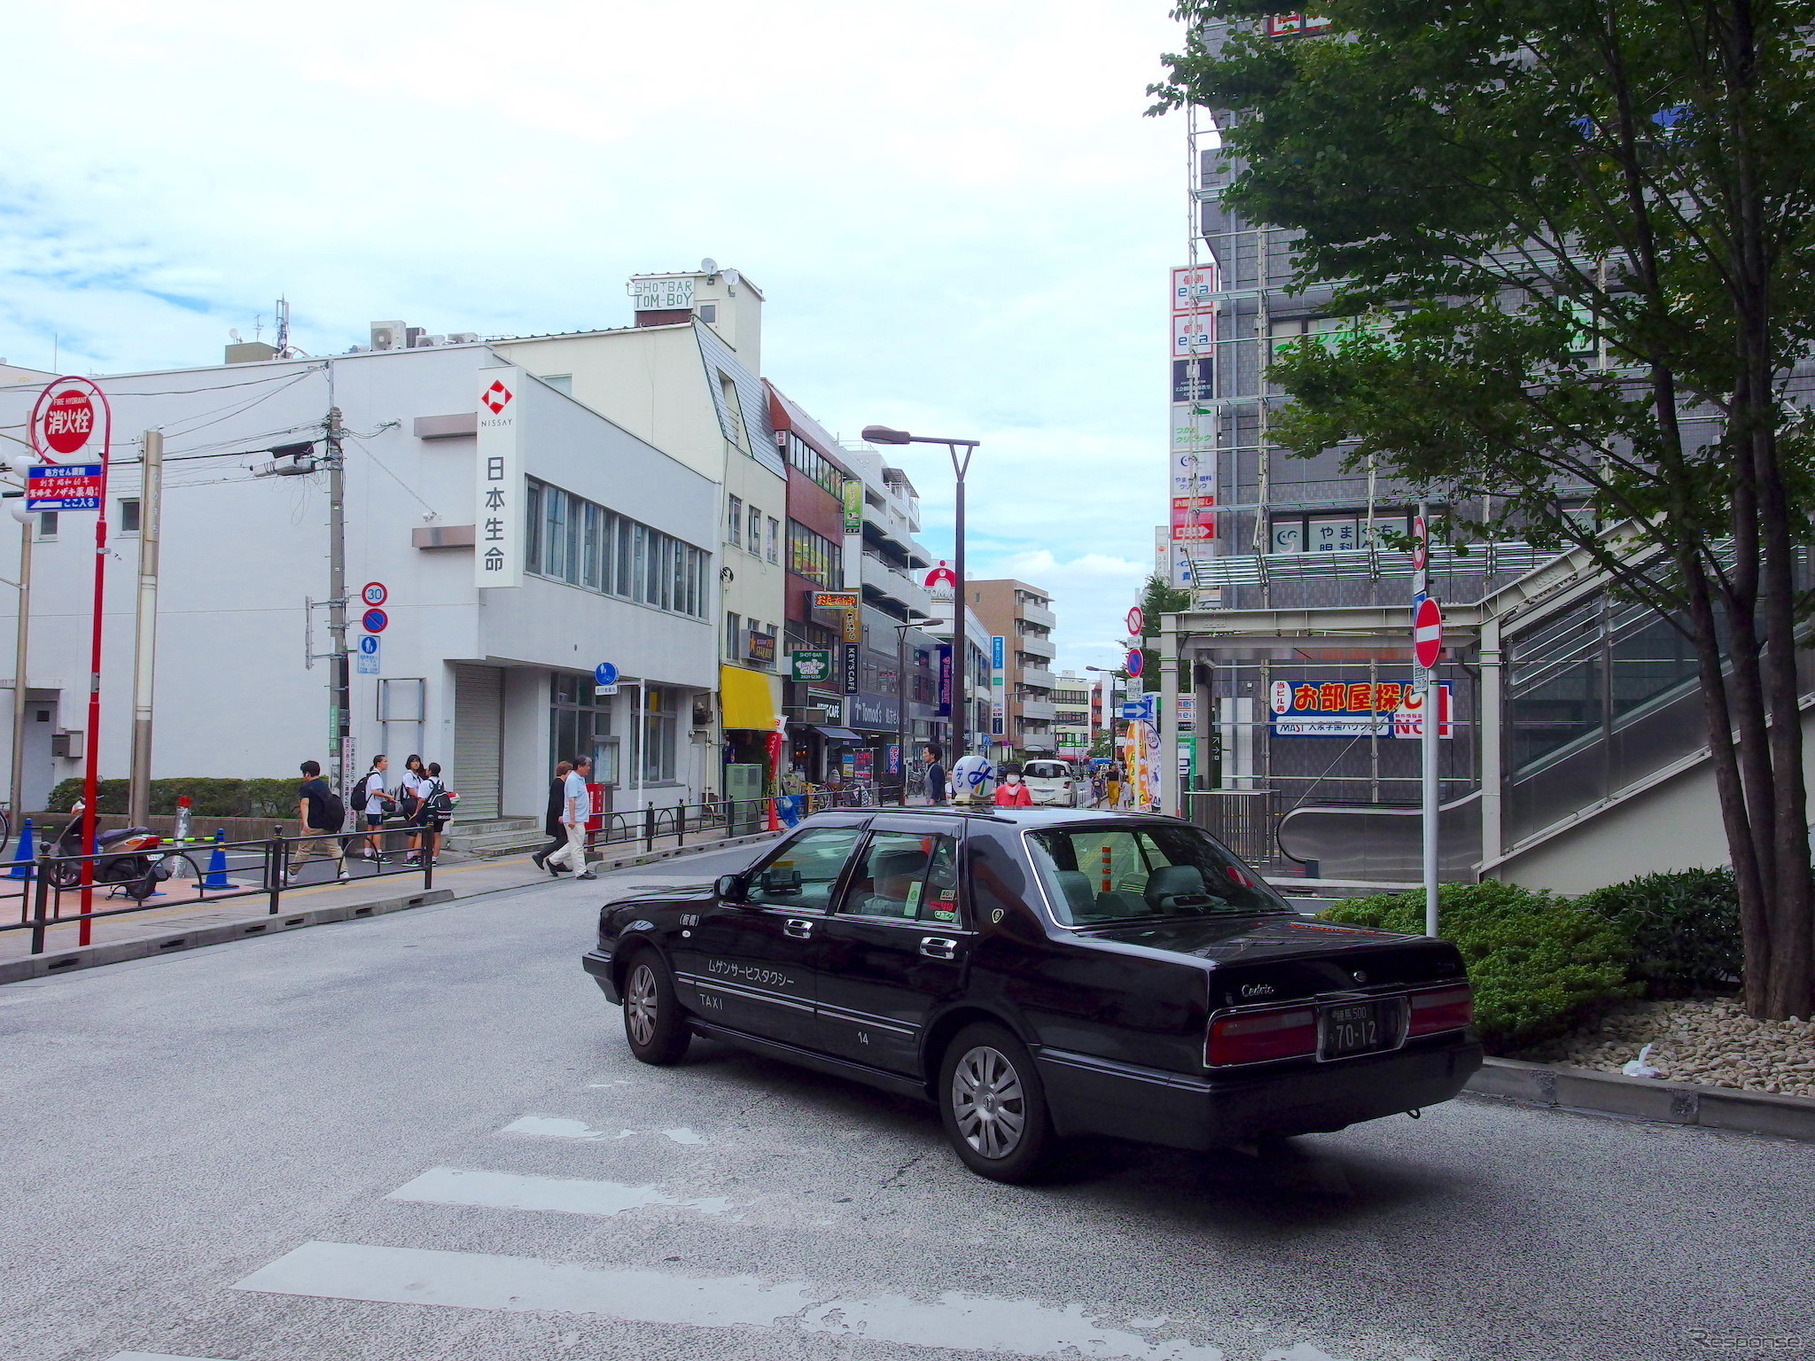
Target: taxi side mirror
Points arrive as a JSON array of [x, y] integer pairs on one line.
[[730, 888]]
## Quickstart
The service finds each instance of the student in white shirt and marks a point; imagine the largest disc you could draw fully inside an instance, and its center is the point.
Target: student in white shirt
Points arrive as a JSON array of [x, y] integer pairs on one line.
[[374, 802]]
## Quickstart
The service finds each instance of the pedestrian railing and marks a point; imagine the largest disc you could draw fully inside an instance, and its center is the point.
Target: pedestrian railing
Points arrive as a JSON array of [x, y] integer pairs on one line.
[[39, 894], [713, 819]]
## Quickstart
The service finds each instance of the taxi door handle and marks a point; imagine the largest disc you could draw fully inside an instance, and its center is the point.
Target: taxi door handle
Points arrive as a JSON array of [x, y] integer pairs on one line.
[[938, 947], [797, 927]]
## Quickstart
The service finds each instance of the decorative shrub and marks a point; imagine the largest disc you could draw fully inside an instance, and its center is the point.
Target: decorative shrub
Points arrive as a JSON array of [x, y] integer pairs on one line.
[[1682, 928], [209, 797], [1539, 963]]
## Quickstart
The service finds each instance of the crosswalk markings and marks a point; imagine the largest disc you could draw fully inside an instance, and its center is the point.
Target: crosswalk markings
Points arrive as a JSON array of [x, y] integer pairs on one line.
[[566, 1195], [473, 1280], [554, 1127]]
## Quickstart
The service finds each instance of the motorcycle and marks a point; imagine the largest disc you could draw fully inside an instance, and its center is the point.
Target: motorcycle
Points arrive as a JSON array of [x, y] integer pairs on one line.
[[123, 858]]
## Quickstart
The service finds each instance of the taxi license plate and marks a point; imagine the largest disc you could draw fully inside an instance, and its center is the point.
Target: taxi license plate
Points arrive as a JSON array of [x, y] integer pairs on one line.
[[1357, 1028]]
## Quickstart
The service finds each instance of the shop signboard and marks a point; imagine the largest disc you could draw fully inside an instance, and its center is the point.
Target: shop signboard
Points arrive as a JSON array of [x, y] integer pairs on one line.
[[498, 489], [944, 707], [853, 507], [853, 668], [1309, 708], [810, 664], [759, 647]]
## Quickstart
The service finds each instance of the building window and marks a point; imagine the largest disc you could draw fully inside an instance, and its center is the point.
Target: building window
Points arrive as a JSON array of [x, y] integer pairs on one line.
[[754, 540], [560, 382], [129, 515], [709, 311], [580, 725], [814, 557], [734, 412], [774, 539], [47, 524], [584, 544], [734, 518], [734, 635], [814, 464], [661, 723]]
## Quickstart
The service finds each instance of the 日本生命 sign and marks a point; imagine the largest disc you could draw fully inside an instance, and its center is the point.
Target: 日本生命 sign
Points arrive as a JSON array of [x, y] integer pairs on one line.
[[498, 515], [1307, 708], [63, 486]]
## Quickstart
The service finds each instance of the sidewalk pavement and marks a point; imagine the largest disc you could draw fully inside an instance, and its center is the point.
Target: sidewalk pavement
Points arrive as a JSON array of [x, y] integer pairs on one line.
[[178, 914]]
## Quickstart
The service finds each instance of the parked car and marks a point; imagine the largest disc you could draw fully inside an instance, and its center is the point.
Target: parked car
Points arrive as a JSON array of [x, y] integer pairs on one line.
[[1053, 783], [1041, 973]]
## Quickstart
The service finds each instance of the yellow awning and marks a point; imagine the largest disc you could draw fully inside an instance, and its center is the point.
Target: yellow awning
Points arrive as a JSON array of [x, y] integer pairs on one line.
[[747, 697]]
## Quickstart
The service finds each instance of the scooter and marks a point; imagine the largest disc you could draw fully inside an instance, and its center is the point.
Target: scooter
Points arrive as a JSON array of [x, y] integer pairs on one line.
[[123, 857]]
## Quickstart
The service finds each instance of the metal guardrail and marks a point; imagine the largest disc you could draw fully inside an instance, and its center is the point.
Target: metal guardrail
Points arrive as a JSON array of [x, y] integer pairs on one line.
[[732, 817], [35, 885]]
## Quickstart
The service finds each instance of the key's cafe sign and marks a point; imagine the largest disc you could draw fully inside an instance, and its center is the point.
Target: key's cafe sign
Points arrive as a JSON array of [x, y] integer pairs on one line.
[[1309, 708]]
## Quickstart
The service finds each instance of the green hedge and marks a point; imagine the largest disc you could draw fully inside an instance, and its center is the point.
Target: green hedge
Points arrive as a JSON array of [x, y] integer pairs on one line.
[[1540, 964], [1682, 928], [208, 797]]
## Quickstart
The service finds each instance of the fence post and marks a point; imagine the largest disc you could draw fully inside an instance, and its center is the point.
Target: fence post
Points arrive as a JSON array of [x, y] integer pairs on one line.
[[40, 890], [649, 828], [680, 824], [275, 866]]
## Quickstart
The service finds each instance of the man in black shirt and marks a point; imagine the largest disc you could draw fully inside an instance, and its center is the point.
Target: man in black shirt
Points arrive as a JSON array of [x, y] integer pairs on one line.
[[935, 777], [321, 815]]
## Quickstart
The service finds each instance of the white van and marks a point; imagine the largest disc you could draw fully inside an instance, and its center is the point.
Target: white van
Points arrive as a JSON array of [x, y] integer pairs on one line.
[[1053, 783]]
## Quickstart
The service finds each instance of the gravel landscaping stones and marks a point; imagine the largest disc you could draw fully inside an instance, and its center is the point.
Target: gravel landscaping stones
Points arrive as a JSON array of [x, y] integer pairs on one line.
[[1707, 1040]]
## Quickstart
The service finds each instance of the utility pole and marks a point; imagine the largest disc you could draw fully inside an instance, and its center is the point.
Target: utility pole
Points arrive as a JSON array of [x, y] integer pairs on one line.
[[145, 637], [340, 700]]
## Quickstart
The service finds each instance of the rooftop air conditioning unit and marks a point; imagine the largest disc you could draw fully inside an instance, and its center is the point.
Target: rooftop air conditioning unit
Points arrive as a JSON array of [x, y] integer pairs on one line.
[[463, 338], [412, 336], [387, 335]]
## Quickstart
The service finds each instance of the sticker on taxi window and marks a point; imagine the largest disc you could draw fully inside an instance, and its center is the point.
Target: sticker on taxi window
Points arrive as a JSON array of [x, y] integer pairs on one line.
[[913, 898], [944, 914]]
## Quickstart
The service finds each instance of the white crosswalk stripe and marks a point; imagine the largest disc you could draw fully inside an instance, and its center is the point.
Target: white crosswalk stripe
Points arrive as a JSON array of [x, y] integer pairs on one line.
[[476, 1280], [562, 1195]]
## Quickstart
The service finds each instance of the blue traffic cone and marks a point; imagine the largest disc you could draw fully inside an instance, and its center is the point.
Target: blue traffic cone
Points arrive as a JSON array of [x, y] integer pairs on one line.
[[27, 851], [217, 863]]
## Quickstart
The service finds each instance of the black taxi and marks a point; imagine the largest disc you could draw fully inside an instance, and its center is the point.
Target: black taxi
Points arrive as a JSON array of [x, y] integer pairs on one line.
[[1041, 973]]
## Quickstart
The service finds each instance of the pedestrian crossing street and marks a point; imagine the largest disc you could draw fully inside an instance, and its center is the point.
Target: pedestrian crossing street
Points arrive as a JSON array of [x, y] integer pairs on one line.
[[607, 1237]]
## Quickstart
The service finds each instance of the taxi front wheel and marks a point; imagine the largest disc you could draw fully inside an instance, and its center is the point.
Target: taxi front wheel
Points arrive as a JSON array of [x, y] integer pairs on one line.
[[653, 1024], [993, 1107]]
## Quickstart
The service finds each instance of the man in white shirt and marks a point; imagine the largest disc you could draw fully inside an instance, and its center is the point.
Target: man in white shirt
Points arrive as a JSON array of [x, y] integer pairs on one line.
[[576, 804]]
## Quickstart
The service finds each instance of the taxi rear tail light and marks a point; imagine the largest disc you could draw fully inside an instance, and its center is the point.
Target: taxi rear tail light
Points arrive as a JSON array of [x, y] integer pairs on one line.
[[1257, 1037], [1441, 1009]]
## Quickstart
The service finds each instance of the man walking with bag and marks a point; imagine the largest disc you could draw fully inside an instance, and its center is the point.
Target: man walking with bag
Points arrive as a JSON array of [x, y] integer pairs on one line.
[[320, 815], [575, 806]]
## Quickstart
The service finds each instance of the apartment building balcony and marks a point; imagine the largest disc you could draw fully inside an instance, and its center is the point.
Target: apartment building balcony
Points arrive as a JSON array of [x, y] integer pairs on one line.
[[1036, 710], [1037, 646], [1037, 678], [1033, 614], [885, 579]]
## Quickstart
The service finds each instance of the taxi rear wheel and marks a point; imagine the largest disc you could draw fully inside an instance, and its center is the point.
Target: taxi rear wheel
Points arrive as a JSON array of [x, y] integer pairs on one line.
[[653, 1024], [993, 1106]]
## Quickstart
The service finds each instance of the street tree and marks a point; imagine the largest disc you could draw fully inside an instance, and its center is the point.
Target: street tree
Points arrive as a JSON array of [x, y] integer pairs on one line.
[[1576, 239]]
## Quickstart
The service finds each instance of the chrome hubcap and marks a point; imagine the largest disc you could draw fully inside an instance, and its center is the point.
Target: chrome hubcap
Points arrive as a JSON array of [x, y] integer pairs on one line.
[[640, 1004], [988, 1102]]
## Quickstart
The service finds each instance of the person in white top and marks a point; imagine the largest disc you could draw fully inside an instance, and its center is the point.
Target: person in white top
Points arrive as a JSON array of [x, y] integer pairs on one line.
[[575, 805], [409, 798], [373, 802]]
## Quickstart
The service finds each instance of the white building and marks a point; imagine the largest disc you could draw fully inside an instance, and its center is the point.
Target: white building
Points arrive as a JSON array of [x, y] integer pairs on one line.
[[616, 543]]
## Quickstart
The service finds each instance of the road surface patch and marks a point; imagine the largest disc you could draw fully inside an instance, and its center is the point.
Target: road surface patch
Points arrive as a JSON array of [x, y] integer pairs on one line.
[[555, 1127]]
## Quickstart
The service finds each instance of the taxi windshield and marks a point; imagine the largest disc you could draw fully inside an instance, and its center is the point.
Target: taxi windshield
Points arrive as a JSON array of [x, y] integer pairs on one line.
[[1099, 874]]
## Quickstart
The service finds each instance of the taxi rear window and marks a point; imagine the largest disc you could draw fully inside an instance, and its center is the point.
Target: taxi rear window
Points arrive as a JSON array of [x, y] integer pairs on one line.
[[1098, 874]]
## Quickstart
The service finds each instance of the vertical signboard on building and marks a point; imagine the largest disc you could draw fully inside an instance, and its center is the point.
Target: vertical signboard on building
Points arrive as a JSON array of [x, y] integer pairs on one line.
[[1191, 521], [998, 684], [499, 524], [944, 708], [853, 507]]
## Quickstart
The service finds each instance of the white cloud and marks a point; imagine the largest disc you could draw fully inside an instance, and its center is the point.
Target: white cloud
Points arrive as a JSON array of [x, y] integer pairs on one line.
[[959, 215]]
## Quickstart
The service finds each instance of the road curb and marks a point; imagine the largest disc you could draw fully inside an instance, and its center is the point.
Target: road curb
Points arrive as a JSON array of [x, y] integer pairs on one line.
[[219, 933], [1643, 1098]]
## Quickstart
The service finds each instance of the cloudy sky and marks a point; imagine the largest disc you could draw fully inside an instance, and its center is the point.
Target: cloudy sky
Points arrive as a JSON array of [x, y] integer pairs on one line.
[[960, 218]]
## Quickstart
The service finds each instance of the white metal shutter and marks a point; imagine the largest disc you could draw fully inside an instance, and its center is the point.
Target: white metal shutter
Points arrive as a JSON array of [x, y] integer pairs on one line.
[[478, 740]]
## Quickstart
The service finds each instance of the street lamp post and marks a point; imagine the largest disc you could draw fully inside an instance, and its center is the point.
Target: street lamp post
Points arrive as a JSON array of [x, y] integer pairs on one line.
[[882, 434]]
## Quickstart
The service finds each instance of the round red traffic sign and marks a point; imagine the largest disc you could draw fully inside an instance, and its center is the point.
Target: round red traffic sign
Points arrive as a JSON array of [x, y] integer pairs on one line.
[[1136, 621], [1421, 543], [1427, 633], [1135, 662], [374, 621], [374, 593], [67, 421]]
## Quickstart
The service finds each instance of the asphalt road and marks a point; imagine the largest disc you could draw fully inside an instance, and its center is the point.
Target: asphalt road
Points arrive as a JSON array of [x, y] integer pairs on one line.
[[420, 1137]]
